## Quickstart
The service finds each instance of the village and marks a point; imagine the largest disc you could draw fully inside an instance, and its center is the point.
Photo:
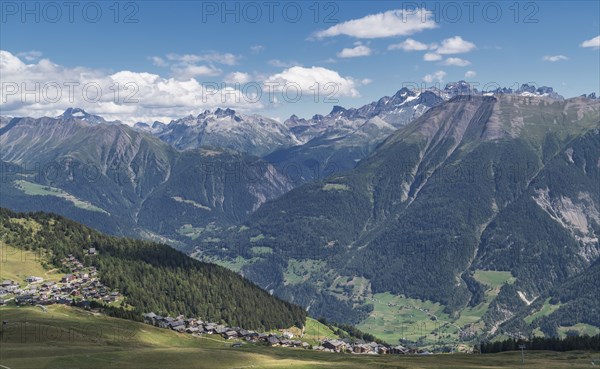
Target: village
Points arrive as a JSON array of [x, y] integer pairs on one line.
[[81, 286], [198, 328]]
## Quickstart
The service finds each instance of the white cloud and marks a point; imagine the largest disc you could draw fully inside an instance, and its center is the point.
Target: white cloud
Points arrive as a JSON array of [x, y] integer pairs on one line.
[[191, 71], [470, 74], [366, 81], [360, 50], [210, 57], [388, 24], [238, 77], [437, 76], [256, 49], [150, 96], [456, 62], [308, 79], [32, 55], [158, 61], [282, 64], [186, 66], [455, 45], [432, 57], [410, 45], [593, 42], [554, 58]]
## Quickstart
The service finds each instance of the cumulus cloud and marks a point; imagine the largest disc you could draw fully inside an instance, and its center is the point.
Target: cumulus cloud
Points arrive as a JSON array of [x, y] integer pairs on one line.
[[125, 95], [188, 71], [360, 50], [456, 62], [388, 24], [593, 42], [309, 79], [238, 77], [138, 96], [411, 45], [437, 76], [554, 58], [432, 57], [470, 74], [455, 45]]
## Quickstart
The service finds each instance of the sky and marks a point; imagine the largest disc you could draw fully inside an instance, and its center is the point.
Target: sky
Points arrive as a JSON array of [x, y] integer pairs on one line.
[[159, 60]]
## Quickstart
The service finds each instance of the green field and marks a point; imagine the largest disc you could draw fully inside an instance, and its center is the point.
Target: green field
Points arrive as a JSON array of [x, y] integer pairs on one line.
[[546, 309], [492, 278], [17, 264], [34, 189], [190, 231], [397, 317], [67, 337], [582, 328], [299, 271]]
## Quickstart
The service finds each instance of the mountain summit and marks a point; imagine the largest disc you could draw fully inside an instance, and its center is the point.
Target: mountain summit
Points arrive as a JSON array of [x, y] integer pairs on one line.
[[80, 114]]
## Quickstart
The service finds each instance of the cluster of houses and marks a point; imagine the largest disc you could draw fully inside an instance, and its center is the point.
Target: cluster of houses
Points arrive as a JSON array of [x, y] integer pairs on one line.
[[198, 327], [362, 347], [80, 284]]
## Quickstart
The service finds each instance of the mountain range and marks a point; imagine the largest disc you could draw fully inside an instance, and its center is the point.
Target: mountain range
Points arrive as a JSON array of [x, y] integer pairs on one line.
[[416, 195]]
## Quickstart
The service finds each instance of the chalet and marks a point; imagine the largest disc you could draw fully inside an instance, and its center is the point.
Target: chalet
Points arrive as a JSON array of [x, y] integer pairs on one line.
[[68, 278], [149, 318], [210, 328], [334, 345], [305, 345], [230, 335], [164, 322], [273, 341], [220, 329], [382, 350], [92, 251], [399, 350], [192, 330], [33, 279], [9, 285], [361, 348]]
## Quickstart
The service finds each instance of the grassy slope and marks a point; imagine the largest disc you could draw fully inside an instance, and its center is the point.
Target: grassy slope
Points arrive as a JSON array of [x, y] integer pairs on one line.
[[67, 338], [16, 265]]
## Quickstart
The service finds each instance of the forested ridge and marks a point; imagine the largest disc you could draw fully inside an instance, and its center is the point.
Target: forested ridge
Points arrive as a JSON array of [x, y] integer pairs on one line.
[[153, 277]]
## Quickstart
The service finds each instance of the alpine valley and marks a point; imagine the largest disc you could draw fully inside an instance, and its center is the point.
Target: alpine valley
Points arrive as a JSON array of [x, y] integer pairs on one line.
[[428, 216]]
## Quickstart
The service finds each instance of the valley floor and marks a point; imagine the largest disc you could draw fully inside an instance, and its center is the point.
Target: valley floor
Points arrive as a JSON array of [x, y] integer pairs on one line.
[[65, 337]]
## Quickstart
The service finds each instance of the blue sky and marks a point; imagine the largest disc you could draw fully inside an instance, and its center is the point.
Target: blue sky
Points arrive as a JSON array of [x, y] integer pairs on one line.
[[173, 42]]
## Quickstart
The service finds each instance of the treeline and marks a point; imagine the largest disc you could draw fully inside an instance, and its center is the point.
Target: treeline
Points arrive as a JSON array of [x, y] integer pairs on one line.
[[569, 343], [152, 276]]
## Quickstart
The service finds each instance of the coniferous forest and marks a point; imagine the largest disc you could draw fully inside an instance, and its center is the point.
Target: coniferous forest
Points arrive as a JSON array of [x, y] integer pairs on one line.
[[152, 277]]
